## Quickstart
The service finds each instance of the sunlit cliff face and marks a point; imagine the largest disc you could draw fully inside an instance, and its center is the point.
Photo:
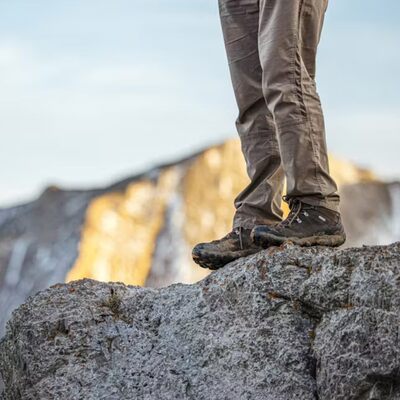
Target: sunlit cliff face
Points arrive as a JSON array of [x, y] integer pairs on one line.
[[124, 236], [121, 230]]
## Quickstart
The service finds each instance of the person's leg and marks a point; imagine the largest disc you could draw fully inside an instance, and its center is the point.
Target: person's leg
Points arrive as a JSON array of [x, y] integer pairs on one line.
[[260, 201], [288, 39]]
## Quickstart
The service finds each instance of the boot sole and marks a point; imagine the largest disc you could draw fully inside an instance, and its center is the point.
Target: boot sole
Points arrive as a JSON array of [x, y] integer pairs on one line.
[[214, 262], [270, 239], [207, 263]]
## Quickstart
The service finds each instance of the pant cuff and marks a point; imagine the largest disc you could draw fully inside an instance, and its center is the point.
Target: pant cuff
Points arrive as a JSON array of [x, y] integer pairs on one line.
[[251, 222], [330, 205]]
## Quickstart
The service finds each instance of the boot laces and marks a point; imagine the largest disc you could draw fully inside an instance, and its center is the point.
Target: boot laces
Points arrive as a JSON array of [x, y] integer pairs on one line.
[[239, 232], [296, 206]]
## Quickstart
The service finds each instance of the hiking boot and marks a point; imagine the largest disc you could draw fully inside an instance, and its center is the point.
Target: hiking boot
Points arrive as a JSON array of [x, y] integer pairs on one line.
[[306, 225], [216, 254]]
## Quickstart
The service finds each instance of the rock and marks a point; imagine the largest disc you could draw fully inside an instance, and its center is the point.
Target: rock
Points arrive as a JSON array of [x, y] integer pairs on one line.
[[287, 323]]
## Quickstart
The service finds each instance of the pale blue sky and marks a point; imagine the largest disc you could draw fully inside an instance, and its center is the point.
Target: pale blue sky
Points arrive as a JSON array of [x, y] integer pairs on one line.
[[92, 90]]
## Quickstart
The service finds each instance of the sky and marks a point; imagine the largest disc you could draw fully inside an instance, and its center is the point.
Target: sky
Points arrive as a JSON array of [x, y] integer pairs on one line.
[[95, 90]]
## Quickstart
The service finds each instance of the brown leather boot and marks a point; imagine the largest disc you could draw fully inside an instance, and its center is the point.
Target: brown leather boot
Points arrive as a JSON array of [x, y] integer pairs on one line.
[[306, 225], [216, 254]]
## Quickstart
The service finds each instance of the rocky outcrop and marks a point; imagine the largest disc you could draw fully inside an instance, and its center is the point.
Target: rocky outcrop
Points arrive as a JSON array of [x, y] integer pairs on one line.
[[287, 323]]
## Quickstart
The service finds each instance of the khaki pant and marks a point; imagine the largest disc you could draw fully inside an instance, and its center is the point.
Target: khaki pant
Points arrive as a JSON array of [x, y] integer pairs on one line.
[[271, 47]]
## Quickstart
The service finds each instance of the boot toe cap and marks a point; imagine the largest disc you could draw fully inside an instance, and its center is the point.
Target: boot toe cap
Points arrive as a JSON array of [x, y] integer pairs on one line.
[[198, 248]]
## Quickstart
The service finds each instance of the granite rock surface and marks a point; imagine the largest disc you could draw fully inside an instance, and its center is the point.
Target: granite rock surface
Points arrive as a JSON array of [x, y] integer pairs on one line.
[[287, 323]]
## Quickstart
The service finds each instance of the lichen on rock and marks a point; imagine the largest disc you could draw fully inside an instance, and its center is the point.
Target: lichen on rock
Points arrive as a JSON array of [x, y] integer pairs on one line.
[[286, 323]]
